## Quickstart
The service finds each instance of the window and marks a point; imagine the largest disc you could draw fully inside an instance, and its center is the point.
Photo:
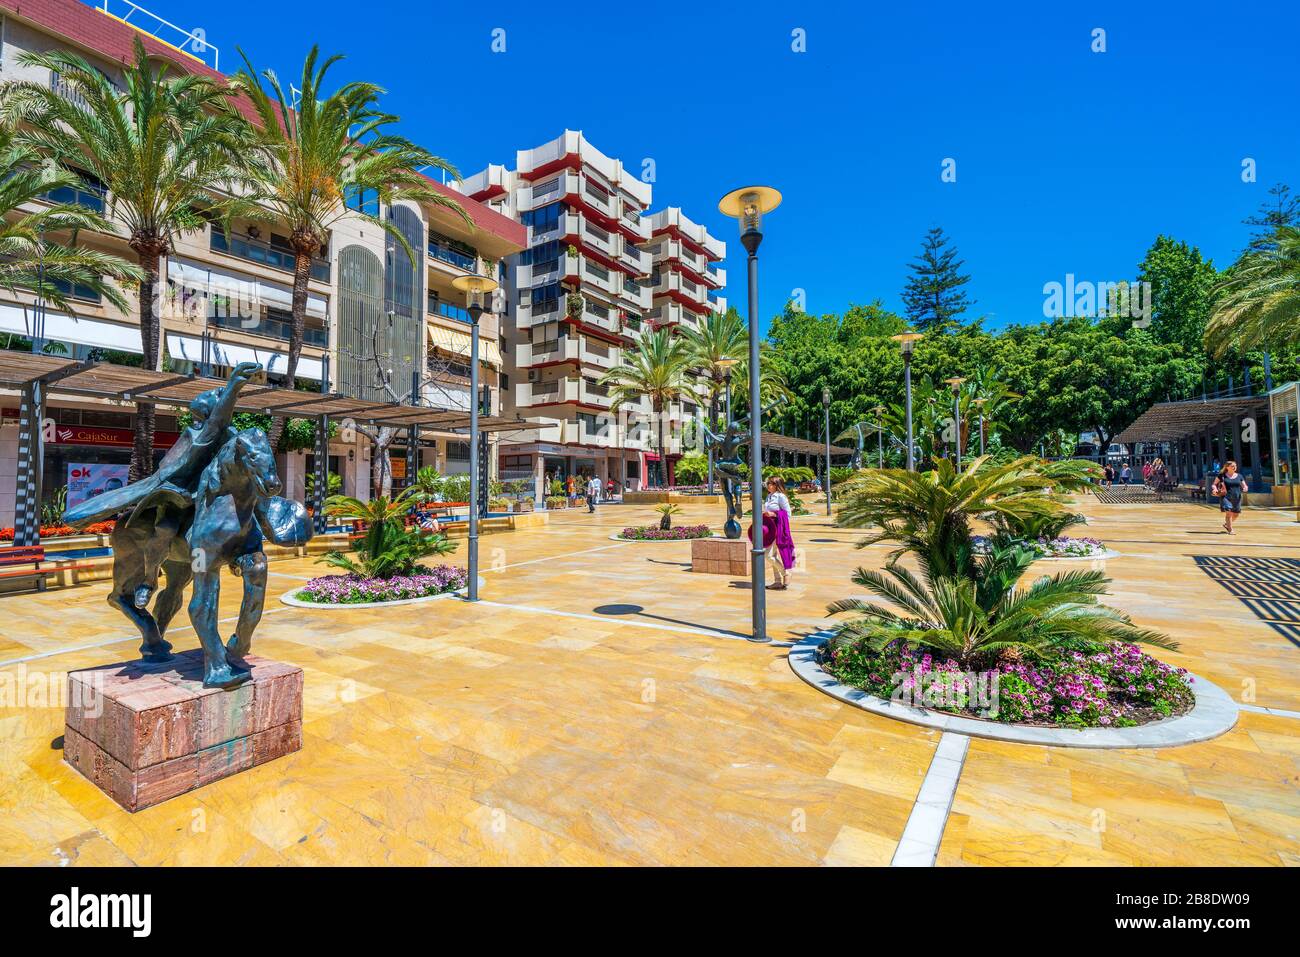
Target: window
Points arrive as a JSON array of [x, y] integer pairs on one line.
[[89, 193], [457, 451], [362, 200], [541, 254], [75, 290], [544, 218]]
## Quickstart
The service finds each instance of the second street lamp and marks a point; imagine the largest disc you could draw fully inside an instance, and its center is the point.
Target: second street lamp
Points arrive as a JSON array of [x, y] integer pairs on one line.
[[475, 289], [979, 404], [747, 205], [956, 382], [826, 408], [907, 342], [880, 435]]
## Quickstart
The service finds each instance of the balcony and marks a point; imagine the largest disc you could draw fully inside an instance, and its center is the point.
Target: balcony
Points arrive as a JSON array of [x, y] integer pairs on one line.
[[716, 277], [600, 277], [636, 259], [272, 328], [260, 251], [594, 394], [436, 306], [454, 254]]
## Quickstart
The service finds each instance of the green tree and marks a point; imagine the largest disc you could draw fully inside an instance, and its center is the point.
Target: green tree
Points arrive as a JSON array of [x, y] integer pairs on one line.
[[312, 157], [1182, 285], [933, 298], [1280, 209], [164, 144]]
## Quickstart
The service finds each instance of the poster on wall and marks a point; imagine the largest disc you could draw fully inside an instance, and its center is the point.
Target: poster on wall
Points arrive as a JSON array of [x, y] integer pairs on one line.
[[87, 480]]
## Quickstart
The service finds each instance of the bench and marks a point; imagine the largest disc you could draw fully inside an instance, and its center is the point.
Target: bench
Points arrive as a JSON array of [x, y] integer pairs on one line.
[[34, 555]]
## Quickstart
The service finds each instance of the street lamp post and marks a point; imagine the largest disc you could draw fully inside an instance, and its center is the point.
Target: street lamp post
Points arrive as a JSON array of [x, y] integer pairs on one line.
[[907, 342], [747, 205], [880, 435], [955, 382], [475, 288], [979, 404], [826, 408]]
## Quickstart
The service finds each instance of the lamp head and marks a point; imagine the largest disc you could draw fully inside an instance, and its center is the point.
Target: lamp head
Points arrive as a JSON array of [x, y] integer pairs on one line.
[[747, 205], [826, 396], [907, 340], [475, 289]]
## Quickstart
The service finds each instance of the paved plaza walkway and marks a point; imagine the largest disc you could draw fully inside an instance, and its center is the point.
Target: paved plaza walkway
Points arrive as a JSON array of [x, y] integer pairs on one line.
[[600, 706]]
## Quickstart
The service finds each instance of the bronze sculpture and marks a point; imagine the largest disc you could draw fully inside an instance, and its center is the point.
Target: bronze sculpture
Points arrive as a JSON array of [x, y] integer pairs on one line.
[[729, 464], [211, 501]]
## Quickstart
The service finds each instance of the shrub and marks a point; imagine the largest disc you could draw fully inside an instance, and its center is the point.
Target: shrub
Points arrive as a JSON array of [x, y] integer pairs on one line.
[[691, 469], [556, 501], [388, 548]]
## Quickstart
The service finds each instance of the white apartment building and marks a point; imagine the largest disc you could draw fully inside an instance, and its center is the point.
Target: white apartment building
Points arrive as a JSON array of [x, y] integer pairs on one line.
[[374, 317], [576, 297]]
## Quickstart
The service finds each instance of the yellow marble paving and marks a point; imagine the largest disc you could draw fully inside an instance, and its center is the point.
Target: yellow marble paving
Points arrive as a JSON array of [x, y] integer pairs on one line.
[[448, 733]]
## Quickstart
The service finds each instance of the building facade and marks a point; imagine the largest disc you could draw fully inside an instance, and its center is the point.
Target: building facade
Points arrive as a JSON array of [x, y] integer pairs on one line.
[[583, 291], [379, 323]]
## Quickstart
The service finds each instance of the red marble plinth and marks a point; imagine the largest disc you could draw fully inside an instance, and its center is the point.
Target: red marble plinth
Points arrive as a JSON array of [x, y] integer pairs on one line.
[[145, 733], [721, 556]]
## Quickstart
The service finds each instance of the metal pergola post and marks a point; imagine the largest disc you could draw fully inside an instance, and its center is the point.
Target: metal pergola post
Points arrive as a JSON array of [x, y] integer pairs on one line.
[[31, 467]]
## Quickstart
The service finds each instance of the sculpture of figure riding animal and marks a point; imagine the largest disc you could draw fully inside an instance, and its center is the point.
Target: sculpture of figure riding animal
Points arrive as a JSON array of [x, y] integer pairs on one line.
[[212, 487]]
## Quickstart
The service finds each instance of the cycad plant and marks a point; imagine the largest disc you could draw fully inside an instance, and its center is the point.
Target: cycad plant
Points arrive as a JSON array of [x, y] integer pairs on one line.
[[388, 548], [1258, 299], [666, 513], [30, 259], [427, 484], [165, 144], [976, 617], [930, 513]]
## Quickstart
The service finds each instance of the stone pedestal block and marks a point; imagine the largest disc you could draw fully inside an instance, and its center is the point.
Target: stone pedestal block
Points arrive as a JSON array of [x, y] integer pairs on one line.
[[720, 556], [145, 733]]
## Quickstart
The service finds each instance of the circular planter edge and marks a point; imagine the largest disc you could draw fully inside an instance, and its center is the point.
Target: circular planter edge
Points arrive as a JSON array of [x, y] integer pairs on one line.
[[288, 599], [1213, 714]]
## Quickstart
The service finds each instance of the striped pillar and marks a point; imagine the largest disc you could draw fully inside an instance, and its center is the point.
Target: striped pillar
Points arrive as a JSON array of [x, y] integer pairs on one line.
[[31, 464]]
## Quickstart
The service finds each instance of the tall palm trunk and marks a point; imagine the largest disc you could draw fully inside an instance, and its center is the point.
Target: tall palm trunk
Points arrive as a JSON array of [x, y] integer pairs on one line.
[[149, 251], [662, 471], [304, 247]]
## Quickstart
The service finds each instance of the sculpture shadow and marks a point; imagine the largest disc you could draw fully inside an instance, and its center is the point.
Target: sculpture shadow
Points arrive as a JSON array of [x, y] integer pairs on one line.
[[1268, 587]]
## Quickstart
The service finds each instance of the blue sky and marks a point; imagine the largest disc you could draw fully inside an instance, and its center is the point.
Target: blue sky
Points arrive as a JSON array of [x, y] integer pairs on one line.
[[1067, 161]]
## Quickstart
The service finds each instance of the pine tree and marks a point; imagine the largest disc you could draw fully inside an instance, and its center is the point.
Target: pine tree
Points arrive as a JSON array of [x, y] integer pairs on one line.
[[1280, 209], [933, 298]]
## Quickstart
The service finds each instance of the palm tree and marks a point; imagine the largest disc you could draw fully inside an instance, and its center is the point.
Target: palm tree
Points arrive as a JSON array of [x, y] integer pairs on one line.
[[1258, 300], [655, 367], [28, 260], [971, 618], [163, 145], [312, 157]]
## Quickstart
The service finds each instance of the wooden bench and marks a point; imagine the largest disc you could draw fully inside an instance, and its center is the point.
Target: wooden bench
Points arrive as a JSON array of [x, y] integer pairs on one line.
[[34, 555]]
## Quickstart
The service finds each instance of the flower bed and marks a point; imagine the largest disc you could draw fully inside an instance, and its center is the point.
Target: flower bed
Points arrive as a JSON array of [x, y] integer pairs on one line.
[[63, 531], [653, 533], [357, 590], [1116, 687], [1063, 547]]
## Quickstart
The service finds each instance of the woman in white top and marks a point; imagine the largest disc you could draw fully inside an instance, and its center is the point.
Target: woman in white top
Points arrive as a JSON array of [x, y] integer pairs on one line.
[[779, 546]]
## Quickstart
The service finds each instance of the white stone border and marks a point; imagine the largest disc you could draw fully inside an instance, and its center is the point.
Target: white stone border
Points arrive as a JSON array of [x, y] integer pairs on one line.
[[1107, 554], [289, 599], [1213, 714], [660, 541]]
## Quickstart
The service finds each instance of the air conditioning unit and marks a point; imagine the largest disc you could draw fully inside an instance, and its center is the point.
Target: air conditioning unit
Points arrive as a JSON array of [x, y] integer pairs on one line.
[[532, 375]]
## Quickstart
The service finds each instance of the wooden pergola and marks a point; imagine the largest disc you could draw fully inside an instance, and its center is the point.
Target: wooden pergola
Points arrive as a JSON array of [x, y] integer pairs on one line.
[[36, 377], [1199, 431], [789, 445]]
